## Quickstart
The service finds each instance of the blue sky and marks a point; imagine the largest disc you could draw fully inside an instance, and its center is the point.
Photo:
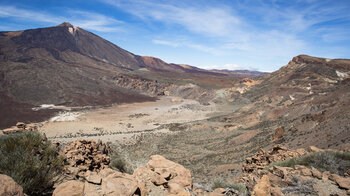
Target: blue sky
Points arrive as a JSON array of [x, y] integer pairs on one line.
[[225, 34]]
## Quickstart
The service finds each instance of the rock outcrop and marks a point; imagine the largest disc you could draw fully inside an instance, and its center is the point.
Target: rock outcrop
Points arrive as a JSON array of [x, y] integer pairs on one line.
[[261, 178], [168, 170], [159, 177], [263, 158], [9, 187], [20, 127], [86, 156], [73, 188], [88, 164]]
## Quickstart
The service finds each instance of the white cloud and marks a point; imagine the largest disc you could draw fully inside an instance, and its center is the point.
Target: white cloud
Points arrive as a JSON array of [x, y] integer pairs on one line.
[[95, 21], [231, 32], [205, 20], [203, 48], [13, 12], [167, 43], [88, 20], [227, 67]]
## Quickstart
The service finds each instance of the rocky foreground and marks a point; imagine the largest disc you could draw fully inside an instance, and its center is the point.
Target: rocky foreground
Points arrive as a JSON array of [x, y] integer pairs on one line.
[[263, 176], [88, 172]]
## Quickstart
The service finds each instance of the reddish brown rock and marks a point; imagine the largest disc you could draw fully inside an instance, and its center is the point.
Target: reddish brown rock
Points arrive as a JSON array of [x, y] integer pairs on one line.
[[314, 149], [281, 171], [86, 155], [263, 187], [91, 189], [9, 187], [143, 174], [72, 188], [93, 177], [20, 127], [179, 174], [315, 173], [278, 134], [303, 170], [341, 181], [175, 188], [118, 186], [276, 191]]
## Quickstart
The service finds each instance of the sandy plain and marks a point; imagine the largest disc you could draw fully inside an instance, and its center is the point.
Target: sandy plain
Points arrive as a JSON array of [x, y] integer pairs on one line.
[[121, 123]]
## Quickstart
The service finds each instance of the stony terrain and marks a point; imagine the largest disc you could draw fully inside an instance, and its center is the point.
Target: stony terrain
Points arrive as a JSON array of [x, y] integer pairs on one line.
[[213, 136], [296, 180], [88, 173], [151, 112]]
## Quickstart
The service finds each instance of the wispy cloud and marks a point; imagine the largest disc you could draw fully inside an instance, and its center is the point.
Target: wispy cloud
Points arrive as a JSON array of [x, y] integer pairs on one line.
[[84, 19], [264, 34], [229, 67], [205, 20], [167, 43], [232, 31], [200, 47], [23, 14], [256, 29], [95, 21]]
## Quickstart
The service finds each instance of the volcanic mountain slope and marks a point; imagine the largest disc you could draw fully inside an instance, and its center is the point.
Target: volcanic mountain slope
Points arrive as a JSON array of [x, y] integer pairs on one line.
[[59, 65], [66, 65]]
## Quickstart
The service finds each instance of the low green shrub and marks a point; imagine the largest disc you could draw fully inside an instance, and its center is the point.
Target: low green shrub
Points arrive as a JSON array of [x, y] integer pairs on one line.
[[240, 187], [218, 184], [334, 162], [31, 160], [118, 164]]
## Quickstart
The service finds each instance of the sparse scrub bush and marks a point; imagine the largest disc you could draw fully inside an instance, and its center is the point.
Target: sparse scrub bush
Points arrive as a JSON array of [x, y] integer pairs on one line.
[[118, 163], [218, 184], [240, 187], [334, 162], [31, 160]]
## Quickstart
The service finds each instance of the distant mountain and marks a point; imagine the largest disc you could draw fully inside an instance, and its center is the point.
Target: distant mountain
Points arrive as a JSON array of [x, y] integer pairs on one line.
[[67, 65], [242, 73]]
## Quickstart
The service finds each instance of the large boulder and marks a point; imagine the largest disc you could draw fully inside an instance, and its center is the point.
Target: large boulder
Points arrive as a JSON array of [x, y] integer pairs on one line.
[[342, 182], [71, 188], [119, 185], [173, 172], [9, 187], [143, 174]]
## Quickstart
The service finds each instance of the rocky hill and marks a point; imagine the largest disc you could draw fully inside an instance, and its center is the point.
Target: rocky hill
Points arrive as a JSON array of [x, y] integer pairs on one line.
[[305, 103], [66, 65], [309, 99]]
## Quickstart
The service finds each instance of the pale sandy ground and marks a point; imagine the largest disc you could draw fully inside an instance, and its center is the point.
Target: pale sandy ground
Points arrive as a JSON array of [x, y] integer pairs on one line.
[[122, 122]]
